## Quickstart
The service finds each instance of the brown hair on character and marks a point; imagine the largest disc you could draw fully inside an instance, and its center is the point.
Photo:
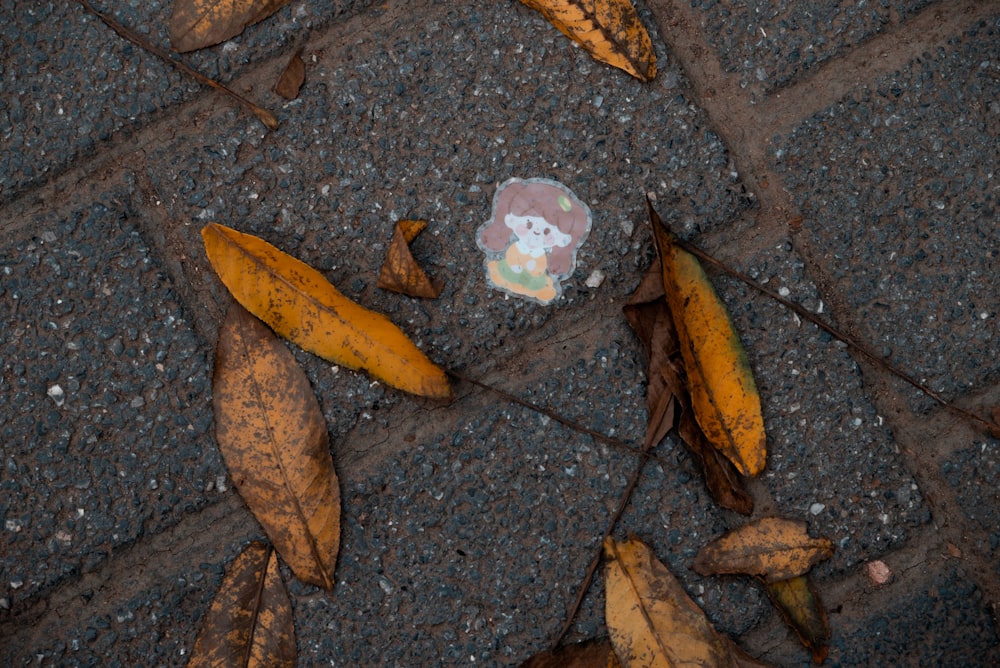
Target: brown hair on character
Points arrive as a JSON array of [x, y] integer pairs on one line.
[[538, 197]]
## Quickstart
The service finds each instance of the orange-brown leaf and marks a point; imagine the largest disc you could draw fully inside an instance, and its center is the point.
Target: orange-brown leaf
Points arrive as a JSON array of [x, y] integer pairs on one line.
[[651, 620], [400, 272], [609, 29], [723, 393], [800, 606], [250, 620], [273, 438], [298, 303], [196, 24], [290, 81], [771, 548]]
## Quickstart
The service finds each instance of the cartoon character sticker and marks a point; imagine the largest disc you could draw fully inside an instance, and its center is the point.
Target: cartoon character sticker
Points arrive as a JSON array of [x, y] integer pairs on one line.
[[531, 239]]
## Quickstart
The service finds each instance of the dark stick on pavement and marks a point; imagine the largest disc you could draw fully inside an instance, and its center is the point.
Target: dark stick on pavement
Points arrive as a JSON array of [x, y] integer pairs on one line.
[[265, 117]]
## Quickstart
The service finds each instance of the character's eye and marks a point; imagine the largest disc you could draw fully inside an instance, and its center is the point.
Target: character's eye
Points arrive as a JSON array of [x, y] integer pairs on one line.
[[528, 225], [548, 231]]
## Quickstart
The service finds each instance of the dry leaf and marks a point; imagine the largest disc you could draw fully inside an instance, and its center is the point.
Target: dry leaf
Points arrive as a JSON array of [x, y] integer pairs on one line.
[[587, 654], [724, 482], [771, 548], [273, 438], [723, 393], [299, 304], [651, 619], [250, 620], [196, 24], [400, 272], [647, 314], [291, 78], [666, 392], [609, 29], [800, 606]]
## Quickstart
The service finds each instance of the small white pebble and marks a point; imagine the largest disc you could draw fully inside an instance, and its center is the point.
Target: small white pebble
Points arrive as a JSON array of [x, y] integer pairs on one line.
[[784, 292], [595, 279], [817, 508], [57, 395]]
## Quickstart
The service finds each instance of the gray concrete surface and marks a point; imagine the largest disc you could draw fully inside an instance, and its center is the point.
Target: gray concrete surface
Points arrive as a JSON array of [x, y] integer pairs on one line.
[[468, 528]]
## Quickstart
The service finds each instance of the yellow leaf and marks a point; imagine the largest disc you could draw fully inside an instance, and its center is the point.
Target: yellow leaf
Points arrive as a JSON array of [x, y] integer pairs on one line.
[[803, 611], [723, 393], [273, 438], [250, 620], [299, 304], [667, 395], [196, 24], [771, 548], [652, 621], [609, 29], [400, 272]]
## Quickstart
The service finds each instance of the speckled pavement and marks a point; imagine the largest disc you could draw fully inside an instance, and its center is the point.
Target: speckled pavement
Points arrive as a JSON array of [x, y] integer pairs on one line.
[[844, 155]]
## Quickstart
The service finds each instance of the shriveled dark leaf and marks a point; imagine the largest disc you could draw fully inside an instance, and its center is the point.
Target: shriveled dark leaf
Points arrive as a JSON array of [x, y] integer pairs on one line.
[[400, 272], [250, 620], [799, 604], [646, 311], [587, 654], [291, 78], [724, 482]]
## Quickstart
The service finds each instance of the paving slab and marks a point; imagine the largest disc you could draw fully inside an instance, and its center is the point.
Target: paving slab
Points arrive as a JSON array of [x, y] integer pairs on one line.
[[768, 45], [897, 187], [104, 420]]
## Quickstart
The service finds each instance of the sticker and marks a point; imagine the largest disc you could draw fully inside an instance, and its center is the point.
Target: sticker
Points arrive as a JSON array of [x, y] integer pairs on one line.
[[531, 239]]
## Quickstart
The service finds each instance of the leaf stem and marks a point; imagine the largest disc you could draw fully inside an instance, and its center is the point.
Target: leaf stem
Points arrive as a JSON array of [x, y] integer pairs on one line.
[[265, 117], [575, 426], [596, 560]]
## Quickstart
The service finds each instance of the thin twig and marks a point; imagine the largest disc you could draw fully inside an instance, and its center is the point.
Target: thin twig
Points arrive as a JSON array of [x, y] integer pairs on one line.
[[596, 435], [265, 117], [643, 453], [864, 350], [596, 560]]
